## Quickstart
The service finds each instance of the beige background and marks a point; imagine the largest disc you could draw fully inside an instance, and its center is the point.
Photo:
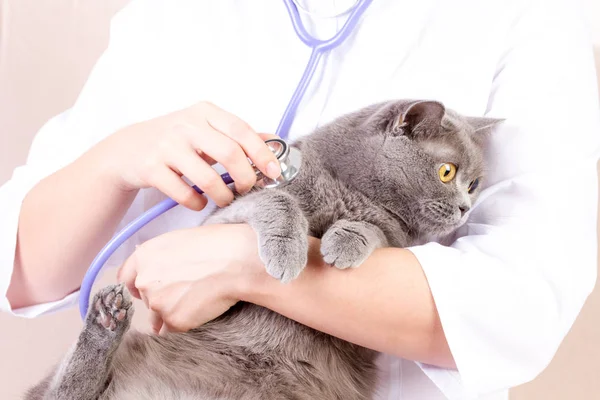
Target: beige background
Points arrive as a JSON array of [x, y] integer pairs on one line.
[[47, 48]]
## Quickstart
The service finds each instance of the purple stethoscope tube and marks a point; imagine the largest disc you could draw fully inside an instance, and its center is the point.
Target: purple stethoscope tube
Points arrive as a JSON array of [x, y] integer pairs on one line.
[[319, 47]]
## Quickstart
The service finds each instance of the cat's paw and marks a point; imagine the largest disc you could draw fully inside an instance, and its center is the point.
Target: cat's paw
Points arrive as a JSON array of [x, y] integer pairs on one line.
[[112, 308], [344, 248], [284, 257]]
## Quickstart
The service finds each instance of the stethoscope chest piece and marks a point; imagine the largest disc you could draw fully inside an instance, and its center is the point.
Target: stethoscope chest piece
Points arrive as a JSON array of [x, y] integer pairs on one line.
[[290, 160]]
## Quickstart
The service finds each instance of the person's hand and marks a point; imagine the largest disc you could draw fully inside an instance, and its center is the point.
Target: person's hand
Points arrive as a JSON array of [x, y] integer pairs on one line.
[[189, 277], [158, 152]]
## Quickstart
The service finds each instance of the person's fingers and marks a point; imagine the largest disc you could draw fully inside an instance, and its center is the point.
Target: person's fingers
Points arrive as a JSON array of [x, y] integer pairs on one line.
[[169, 304], [170, 183], [177, 322], [266, 136], [127, 274], [156, 322], [238, 130], [229, 154], [206, 158], [155, 305], [163, 330], [187, 162]]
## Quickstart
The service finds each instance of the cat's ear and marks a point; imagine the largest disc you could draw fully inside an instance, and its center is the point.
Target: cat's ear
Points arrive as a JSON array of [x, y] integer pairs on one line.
[[421, 119], [482, 128], [483, 124]]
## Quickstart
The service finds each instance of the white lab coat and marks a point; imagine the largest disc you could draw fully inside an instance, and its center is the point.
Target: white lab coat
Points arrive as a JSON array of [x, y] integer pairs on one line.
[[510, 287]]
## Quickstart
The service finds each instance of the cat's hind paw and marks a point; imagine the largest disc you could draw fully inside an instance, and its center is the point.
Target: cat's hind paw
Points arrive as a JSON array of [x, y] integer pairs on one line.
[[112, 308]]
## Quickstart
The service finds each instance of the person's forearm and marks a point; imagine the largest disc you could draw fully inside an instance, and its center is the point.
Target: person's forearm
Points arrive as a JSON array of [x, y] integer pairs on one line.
[[64, 221], [385, 304]]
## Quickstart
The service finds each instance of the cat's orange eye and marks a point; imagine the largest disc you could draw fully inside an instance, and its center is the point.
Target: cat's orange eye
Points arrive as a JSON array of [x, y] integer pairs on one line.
[[447, 172]]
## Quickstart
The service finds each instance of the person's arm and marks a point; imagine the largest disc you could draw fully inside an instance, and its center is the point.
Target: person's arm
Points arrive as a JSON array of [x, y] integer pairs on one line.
[[55, 212], [66, 217], [190, 276], [385, 304], [64, 221]]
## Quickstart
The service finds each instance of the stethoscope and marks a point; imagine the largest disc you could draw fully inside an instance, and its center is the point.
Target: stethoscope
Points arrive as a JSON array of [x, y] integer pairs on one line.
[[289, 157]]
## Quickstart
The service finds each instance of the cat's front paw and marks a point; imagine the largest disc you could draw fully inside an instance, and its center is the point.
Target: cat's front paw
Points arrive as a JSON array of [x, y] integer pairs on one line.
[[344, 248], [112, 308], [284, 256]]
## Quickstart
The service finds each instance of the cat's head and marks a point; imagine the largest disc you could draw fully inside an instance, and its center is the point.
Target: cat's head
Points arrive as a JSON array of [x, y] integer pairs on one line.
[[425, 163]]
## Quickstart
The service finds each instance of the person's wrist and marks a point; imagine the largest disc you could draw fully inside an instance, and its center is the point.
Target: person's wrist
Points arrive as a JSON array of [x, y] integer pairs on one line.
[[253, 284], [250, 277], [105, 163]]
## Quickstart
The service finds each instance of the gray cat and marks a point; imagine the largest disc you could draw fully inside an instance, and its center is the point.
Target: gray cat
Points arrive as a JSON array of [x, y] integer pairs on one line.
[[391, 174]]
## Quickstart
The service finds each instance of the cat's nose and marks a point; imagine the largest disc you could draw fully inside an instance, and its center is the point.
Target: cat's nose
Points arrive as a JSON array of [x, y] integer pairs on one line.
[[463, 209]]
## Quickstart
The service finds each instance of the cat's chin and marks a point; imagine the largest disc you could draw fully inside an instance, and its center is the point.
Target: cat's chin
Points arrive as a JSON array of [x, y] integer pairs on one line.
[[444, 231], [437, 231], [442, 238]]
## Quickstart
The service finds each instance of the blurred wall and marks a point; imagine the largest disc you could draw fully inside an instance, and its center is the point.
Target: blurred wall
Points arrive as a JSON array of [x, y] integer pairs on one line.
[[47, 48]]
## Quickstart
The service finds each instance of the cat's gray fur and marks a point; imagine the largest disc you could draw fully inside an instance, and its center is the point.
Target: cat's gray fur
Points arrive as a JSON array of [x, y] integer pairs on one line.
[[369, 179]]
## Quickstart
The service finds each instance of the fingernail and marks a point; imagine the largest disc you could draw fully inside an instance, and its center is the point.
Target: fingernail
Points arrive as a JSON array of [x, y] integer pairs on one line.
[[273, 170]]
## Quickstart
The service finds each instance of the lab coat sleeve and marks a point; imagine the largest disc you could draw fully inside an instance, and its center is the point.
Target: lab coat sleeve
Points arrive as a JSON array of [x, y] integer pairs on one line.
[[510, 287], [65, 137]]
